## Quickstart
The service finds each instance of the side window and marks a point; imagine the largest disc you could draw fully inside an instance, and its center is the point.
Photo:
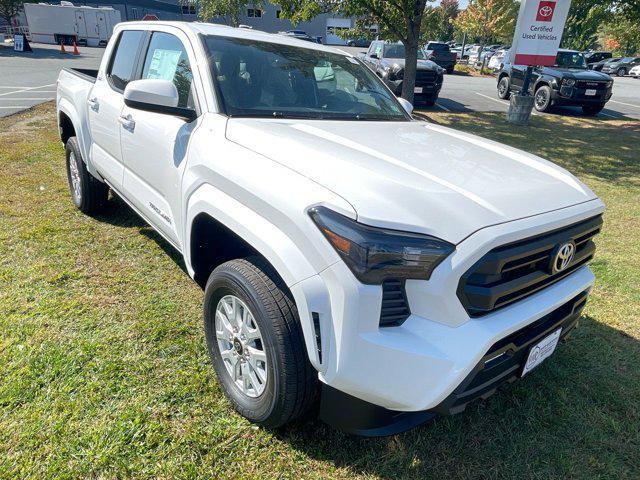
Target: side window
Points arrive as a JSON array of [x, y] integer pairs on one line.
[[120, 71], [378, 50], [167, 59]]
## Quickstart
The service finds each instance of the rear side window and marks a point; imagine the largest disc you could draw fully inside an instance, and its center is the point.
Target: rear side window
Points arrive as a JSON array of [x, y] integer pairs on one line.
[[167, 60], [438, 47], [124, 59]]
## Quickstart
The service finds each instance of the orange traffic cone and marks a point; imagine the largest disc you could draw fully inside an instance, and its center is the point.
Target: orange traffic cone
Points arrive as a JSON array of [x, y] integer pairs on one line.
[[62, 50], [75, 48]]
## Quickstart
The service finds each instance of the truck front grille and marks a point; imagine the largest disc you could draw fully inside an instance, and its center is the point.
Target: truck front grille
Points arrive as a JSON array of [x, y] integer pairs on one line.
[[516, 270], [425, 77]]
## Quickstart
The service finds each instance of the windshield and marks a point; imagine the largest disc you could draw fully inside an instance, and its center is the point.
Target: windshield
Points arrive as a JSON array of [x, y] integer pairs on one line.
[[627, 59], [264, 79], [570, 60], [397, 51], [438, 47]]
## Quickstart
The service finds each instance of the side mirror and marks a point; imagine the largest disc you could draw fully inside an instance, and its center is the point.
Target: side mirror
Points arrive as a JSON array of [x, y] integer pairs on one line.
[[154, 95], [406, 104], [374, 55]]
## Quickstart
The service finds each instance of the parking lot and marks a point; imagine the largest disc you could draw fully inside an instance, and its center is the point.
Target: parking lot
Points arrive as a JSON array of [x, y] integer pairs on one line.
[[29, 79]]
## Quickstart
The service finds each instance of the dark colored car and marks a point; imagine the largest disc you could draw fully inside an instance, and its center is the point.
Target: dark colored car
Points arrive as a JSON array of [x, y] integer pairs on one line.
[[300, 35], [593, 58], [387, 60], [568, 82], [598, 66], [440, 53], [622, 66], [358, 42]]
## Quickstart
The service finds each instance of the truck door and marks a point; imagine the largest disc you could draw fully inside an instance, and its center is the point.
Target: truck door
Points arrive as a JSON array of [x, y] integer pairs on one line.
[[81, 26], [105, 105], [154, 145]]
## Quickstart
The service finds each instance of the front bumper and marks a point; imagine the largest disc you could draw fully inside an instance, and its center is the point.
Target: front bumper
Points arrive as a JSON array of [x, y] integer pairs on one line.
[[417, 366], [573, 96], [430, 91], [503, 363]]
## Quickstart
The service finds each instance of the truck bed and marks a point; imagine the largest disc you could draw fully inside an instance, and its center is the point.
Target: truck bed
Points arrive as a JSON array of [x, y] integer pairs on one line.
[[88, 74]]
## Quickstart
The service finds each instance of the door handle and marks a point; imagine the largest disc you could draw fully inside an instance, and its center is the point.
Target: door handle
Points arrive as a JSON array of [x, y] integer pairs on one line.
[[127, 122], [93, 104]]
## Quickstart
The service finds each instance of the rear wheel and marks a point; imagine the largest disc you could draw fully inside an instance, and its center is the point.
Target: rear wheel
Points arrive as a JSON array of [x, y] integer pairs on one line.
[[542, 100], [592, 109], [88, 193], [504, 88], [256, 344], [621, 72]]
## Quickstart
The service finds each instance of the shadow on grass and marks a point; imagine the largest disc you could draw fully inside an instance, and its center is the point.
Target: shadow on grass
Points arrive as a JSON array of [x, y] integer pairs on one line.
[[119, 214], [601, 148], [577, 416]]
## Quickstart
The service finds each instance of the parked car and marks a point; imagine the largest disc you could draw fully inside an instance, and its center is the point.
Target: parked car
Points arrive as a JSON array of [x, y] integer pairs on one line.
[[478, 56], [598, 65], [498, 59], [635, 72], [440, 53], [387, 60], [568, 82], [592, 58], [359, 42], [622, 66], [390, 268]]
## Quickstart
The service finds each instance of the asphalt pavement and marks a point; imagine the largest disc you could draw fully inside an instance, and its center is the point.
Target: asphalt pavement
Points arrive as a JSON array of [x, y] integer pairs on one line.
[[27, 79]]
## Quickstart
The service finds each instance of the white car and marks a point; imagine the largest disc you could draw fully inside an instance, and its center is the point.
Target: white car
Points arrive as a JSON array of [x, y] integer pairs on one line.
[[498, 59], [635, 72], [389, 268]]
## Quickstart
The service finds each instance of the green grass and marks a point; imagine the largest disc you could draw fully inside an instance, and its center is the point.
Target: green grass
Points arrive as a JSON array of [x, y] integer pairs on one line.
[[104, 374]]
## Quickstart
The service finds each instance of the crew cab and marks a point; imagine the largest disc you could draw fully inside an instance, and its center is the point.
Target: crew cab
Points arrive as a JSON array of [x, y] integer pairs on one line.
[[568, 82], [387, 60], [388, 268]]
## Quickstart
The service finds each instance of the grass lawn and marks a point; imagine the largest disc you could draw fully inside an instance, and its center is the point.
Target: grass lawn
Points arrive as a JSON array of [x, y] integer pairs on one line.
[[104, 373]]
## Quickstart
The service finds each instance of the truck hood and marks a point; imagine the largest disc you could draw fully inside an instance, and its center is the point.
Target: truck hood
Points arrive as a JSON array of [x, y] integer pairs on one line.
[[577, 74], [421, 65], [414, 176]]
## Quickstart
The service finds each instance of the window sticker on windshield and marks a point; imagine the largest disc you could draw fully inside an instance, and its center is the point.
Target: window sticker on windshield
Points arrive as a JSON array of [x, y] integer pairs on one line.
[[164, 64], [352, 60]]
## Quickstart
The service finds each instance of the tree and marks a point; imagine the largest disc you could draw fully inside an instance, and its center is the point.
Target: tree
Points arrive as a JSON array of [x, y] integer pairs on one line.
[[584, 21], [488, 20], [437, 22], [397, 20], [621, 35], [229, 9], [10, 8]]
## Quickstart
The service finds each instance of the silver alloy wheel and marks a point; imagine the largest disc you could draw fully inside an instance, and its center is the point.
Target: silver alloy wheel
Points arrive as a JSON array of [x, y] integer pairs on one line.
[[502, 86], [541, 98], [240, 345], [74, 174]]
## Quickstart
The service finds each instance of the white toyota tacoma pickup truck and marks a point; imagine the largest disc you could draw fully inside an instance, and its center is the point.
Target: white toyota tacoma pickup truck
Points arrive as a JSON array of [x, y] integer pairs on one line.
[[386, 268]]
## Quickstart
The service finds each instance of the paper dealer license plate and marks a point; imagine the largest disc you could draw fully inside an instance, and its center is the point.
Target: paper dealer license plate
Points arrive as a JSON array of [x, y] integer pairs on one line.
[[590, 92], [540, 351], [417, 90]]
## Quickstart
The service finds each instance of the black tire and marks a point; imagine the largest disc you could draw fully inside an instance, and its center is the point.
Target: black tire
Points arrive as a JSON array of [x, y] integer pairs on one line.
[[87, 192], [592, 109], [542, 100], [504, 88], [450, 70], [291, 386], [621, 72]]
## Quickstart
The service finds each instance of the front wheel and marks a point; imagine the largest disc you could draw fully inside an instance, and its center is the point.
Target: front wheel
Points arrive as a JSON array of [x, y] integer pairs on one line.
[[542, 100], [592, 109], [256, 344], [504, 88], [450, 70], [621, 72]]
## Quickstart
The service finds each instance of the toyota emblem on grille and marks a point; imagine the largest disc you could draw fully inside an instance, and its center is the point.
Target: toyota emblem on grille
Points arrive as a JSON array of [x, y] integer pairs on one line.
[[563, 257]]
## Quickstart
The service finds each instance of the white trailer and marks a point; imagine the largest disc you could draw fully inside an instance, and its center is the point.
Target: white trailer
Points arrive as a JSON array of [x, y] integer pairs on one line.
[[66, 23]]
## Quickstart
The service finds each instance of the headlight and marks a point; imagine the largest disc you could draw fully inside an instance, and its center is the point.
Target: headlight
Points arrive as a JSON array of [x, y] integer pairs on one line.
[[569, 82], [609, 83], [397, 72], [374, 254], [440, 71]]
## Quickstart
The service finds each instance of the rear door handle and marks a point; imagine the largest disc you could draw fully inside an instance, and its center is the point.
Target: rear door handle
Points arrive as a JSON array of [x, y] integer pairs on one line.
[[94, 104], [127, 122]]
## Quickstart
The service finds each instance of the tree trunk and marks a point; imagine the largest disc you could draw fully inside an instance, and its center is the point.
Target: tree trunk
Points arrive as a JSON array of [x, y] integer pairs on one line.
[[410, 67]]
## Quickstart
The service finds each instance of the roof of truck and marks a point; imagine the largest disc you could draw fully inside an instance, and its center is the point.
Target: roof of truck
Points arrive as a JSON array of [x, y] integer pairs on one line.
[[246, 33]]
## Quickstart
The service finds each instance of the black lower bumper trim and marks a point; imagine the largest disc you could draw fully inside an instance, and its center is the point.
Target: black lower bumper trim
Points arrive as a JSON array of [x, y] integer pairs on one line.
[[502, 364]]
